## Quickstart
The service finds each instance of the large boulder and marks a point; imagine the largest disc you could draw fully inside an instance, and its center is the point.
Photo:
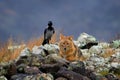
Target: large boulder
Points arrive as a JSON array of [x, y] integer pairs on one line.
[[43, 76], [84, 39], [46, 49], [70, 75], [78, 67]]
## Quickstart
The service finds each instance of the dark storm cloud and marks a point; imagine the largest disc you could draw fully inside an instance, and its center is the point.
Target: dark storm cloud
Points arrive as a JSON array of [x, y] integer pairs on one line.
[[28, 18]]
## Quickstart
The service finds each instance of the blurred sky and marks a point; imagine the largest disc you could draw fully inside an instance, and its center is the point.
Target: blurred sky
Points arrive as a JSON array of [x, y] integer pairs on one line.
[[28, 18]]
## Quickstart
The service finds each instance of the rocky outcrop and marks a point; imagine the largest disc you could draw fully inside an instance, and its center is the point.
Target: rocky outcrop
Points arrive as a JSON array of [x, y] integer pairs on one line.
[[44, 63]]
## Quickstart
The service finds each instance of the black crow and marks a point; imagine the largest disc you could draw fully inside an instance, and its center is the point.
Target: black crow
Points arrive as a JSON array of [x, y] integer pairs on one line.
[[48, 32]]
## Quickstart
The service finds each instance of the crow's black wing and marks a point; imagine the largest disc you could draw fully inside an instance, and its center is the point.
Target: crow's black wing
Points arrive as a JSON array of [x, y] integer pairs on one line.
[[45, 31], [53, 30]]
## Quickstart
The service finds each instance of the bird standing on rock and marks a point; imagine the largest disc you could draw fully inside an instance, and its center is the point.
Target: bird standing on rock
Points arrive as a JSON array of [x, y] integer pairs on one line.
[[48, 32]]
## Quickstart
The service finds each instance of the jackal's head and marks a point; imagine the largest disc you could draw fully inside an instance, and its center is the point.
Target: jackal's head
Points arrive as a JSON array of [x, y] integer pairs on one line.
[[66, 43]]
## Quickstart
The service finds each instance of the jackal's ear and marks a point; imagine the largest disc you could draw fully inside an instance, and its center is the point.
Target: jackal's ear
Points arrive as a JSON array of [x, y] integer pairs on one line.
[[70, 38], [61, 36]]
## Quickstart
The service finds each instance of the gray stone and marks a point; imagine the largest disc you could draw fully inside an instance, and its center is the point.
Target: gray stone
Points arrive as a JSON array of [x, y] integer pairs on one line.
[[3, 78], [70, 75], [52, 48], [46, 49], [55, 58], [115, 44], [96, 50], [32, 70], [38, 50], [85, 53], [78, 67], [25, 52], [104, 45], [46, 76], [61, 78], [84, 38]]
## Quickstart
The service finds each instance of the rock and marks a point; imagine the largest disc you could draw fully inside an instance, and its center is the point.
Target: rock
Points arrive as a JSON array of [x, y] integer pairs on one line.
[[115, 64], [42, 76], [11, 70], [46, 49], [50, 68], [52, 48], [114, 70], [38, 50], [61, 78], [70, 75], [54, 58], [100, 78], [36, 60], [89, 45], [47, 76], [97, 50], [117, 54], [33, 60], [44, 62], [25, 52], [111, 77], [3, 70], [8, 69], [90, 67], [52, 63], [84, 38], [30, 77], [21, 68], [78, 67], [23, 60], [19, 77], [3, 78], [32, 70], [77, 43], [91, 75], [97, 61], [24, 77], [85, 53], [104, 45], [115, 44]]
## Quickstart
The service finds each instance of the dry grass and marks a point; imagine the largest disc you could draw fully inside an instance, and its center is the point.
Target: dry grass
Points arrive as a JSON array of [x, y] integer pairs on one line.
[[16, 53], [7, 54], [34, 42], [4, 54], [38, 41], [54, 39]]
